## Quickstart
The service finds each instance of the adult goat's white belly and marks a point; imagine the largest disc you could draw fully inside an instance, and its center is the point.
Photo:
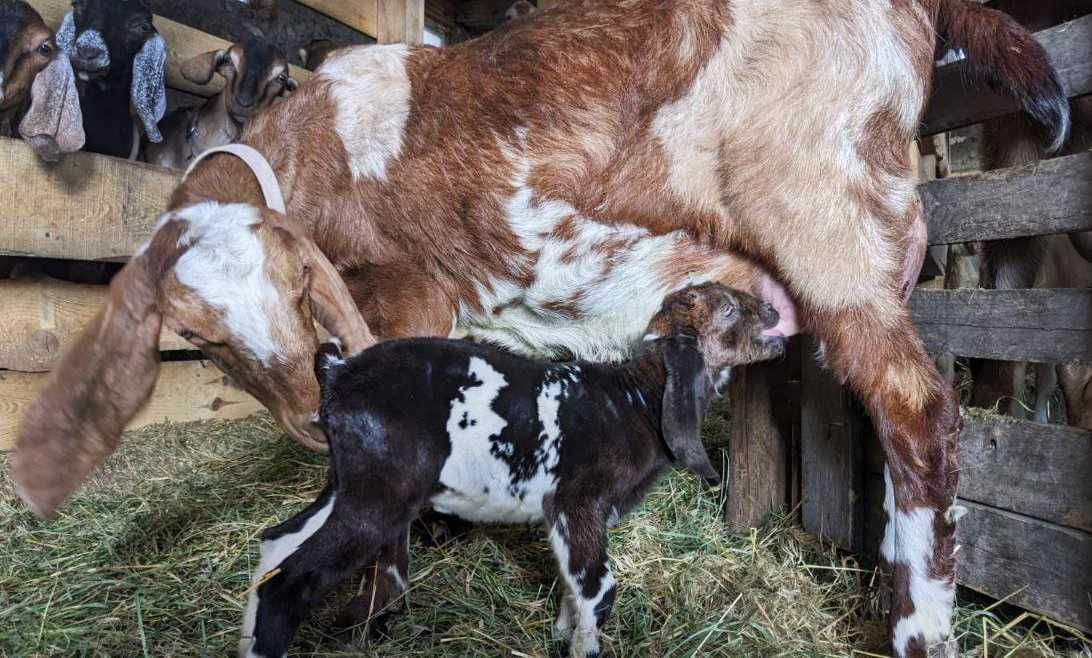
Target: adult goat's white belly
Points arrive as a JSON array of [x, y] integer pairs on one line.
[[594, 287]]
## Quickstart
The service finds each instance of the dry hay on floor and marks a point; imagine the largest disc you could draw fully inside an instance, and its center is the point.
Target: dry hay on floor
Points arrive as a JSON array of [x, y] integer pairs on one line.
[[153, 559]]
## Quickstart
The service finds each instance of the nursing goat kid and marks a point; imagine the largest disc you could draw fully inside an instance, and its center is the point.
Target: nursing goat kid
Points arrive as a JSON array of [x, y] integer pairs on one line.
[[544, 187], [493, 437]]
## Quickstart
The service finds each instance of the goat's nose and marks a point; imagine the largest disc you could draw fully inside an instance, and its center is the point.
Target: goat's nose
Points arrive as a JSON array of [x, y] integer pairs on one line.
[[88, 52], [769, 315]]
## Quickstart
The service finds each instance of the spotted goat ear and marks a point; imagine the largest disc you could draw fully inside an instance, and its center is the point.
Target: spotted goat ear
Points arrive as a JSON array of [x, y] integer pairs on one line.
[[686, 396]]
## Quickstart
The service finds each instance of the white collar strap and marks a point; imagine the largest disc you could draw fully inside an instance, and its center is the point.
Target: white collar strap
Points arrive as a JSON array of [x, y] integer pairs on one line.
[[267, 180]]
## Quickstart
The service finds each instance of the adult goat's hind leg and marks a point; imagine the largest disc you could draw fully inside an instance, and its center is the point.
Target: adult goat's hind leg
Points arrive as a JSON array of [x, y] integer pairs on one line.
[[876, 350]]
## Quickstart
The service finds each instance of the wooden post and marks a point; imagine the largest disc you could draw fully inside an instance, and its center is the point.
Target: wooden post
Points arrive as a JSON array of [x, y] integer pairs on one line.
[[832, 442], [764, 410], [401, 21]]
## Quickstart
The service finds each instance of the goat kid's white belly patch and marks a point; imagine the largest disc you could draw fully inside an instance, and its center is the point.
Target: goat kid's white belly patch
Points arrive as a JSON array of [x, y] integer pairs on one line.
[[479, 484]]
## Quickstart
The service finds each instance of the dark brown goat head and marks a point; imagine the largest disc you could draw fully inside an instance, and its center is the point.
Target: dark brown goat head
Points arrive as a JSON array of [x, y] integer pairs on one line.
[[255, 73], [37, 88], [242, 284], [730, 327]]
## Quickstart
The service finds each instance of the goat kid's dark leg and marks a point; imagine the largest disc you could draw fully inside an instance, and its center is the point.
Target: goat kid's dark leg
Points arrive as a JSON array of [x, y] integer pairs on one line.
[[381, 589], [876, 349], [300, 561], [578, 537]]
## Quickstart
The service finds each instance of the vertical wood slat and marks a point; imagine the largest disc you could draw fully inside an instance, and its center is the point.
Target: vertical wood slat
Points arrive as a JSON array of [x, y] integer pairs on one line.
[[401, 21], [833, 432], [764, 421]]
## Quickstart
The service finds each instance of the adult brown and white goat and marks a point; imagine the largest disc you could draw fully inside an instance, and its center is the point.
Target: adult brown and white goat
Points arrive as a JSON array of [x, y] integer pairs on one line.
[[545, 187], [495, 438], [38, 98], [255, 74]]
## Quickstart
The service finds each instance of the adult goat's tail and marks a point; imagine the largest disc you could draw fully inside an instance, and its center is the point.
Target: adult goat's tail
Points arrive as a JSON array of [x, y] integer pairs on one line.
[[1003, 54]]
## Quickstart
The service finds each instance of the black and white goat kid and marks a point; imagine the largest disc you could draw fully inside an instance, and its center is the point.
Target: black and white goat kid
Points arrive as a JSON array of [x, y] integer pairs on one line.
[[493, 437], [120, 60]]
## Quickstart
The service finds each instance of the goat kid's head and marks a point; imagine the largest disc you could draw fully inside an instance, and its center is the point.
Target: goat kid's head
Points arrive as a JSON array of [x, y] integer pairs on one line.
[[255, 73], [700, 332], [116, 39], [37, 86], [242, 284]]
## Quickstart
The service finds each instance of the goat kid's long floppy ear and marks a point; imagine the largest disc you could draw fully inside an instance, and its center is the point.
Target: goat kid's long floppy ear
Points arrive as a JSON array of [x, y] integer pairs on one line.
[[148, 94], [686, 395], [102, 380], [200, 69]]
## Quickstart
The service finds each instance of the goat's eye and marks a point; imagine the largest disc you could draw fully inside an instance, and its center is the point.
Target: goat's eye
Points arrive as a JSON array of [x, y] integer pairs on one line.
[[283, 78], [730, 311], [45, 48]]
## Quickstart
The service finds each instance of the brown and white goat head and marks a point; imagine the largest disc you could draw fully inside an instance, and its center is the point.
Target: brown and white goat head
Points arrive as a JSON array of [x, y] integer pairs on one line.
[[38, 98], [240, 283], [255, 73]]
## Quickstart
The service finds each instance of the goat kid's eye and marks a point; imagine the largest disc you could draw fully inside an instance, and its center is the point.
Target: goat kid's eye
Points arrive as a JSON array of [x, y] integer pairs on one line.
[[283, 78]]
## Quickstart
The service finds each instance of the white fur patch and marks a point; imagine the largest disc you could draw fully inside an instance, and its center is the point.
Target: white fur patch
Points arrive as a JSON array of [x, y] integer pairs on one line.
[[478, 482], [225, 266], [372, 94], [612, 275], [908, 540], [273, 553]]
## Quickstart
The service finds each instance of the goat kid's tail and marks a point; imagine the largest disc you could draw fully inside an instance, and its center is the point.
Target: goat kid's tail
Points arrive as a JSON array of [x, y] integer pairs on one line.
[[1003, 54], [327, 358]]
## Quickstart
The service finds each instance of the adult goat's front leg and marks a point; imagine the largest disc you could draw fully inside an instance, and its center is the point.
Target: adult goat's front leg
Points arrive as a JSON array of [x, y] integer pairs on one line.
[[877, 351]]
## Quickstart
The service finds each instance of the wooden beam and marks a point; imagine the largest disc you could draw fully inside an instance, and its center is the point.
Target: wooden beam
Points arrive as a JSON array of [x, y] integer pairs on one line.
[[41, 316], [833, 433], [401, 21], [183, 42], [1044, 567], [85, 207], [759, 445], [361, 15], [955, 103], [1029, 468], [1042, 198], [186, 390], [1044, 326]]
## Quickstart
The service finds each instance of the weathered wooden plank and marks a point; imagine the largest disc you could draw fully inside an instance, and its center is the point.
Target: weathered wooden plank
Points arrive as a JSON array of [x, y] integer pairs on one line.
[[954, 103], [1046, 326], [41, 316], [361, 15], [295, 27], [1028, 468], [86, 207], [1052, 196], [183, 42], [1047, 566], [758, 445], [186, 390], [401, 21], [832, 436]]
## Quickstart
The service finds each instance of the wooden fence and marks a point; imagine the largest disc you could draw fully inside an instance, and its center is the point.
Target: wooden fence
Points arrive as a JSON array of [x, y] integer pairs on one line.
[[90, 207]]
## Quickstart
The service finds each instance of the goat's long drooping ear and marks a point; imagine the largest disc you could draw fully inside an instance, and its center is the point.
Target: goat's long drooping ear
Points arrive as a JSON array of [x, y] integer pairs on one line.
[[101, 381], [54, 123], [686, 395], [331, 302], [148, 94], [200, 69]]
